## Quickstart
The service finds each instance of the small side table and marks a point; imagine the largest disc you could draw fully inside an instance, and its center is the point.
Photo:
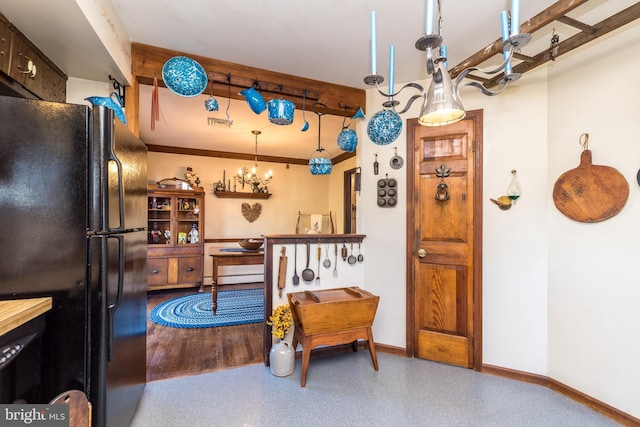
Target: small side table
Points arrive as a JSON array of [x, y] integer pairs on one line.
[[235, 257]]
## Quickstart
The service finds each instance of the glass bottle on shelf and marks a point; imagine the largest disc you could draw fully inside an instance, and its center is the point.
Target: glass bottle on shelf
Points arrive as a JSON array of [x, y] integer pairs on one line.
[[193, 234]]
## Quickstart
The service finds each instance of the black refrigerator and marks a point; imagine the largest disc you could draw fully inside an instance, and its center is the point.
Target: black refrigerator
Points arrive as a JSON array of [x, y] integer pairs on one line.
[[73, 218]]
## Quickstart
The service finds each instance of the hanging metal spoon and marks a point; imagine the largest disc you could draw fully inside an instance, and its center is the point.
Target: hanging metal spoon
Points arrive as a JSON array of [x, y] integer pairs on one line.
[[296, 278], [307, 273], [327, 261], [360, 256]]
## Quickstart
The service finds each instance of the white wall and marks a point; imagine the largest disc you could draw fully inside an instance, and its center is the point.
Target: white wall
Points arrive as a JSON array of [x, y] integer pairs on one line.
[[594, 289], [79, 89]]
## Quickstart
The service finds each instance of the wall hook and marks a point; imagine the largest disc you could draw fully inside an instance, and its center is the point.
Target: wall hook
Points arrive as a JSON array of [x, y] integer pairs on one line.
[[118, 88]]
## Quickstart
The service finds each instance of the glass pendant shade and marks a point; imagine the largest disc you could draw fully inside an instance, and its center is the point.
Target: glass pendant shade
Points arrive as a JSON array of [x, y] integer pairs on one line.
[[442, 106]]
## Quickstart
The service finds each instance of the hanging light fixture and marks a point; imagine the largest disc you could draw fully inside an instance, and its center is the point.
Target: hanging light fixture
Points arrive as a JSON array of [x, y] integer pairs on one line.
[[441, 102], [320, 161], [250, 176]]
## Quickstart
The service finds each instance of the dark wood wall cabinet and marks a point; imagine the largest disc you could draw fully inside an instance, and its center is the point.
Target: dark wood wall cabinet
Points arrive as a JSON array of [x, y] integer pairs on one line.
[[25, 71], [175, 242]]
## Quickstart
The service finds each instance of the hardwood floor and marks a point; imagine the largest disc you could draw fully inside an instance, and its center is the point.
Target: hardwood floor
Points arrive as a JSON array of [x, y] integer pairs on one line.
[[173, 352]]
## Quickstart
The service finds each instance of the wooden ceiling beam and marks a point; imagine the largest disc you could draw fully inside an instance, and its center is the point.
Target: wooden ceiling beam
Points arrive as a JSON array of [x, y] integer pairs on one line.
[[239, 156], [605, 26], [147, 62], [547, 16]]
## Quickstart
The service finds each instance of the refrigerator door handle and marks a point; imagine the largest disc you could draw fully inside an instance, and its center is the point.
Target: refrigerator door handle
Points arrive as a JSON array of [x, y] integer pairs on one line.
[[112, 307], [116, 160]]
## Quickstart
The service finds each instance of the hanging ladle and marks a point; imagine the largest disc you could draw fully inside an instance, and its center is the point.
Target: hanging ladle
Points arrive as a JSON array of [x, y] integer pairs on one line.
[[307, 273], [305, 126], [360, 256]]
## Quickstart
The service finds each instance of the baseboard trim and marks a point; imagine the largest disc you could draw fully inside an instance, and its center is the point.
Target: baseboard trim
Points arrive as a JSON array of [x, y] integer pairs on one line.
[[396, 351], [573, 394]]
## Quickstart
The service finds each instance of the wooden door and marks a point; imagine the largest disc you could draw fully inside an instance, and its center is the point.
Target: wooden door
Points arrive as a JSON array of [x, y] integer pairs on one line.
[[444, 221]]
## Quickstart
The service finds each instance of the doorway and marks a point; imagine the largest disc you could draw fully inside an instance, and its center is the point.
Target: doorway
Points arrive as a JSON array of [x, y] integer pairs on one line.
[[444, 241], [351, 188]]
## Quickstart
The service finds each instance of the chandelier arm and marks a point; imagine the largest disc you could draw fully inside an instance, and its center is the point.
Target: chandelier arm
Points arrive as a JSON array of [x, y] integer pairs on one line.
[[459, 84], [500, 67], [409, 102], [484, 90], [391, 95]]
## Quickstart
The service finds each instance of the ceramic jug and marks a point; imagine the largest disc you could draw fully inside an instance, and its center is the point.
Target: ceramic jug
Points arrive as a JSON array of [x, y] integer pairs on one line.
[[282, 359], [254, 99]]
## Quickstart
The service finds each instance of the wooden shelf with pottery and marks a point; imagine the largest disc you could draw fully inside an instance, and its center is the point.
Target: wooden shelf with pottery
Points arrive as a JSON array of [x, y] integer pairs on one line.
[[241, 195]]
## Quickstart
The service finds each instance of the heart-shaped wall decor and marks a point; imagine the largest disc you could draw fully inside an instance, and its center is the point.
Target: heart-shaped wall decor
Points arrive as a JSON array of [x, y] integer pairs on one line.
[[251, 213]]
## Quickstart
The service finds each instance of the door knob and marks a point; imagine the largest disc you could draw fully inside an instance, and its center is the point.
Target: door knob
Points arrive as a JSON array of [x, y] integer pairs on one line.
[[422, 253]]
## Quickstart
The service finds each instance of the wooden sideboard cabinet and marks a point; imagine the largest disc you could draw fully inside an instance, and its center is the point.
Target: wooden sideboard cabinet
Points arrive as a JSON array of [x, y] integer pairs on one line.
[[24, 70], [175, 238]]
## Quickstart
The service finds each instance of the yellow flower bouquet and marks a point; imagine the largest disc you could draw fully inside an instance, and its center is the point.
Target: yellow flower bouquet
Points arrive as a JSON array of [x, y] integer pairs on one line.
[[280, 321]]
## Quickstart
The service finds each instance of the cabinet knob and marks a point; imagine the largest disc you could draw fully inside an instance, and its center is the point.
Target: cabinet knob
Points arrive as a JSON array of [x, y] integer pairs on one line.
[[189, 269], [155, 271], [422, 253], [31, 67]]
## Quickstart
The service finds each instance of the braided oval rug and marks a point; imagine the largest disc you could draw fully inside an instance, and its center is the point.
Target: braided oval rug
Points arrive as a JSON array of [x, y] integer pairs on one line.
[[235, 307]]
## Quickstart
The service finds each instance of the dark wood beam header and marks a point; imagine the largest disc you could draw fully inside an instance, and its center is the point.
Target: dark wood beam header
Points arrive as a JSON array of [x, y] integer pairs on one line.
[[147, 62]]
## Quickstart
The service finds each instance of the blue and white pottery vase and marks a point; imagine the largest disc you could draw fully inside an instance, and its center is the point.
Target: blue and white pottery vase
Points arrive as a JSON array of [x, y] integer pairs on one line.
[[211, 104], [348, 140], [281, 111]]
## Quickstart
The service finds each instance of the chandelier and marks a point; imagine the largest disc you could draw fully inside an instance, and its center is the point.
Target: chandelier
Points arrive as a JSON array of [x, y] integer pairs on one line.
[[441, 102], [250, 176]]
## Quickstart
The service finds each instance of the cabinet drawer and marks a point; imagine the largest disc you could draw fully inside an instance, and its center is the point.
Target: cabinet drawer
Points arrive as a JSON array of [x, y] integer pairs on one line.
[[157, 271], [190, 270], [41, 79], [5, 47]]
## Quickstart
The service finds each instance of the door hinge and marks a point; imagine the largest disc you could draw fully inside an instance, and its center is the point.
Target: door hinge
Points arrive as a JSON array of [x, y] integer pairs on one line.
[[473, 146]]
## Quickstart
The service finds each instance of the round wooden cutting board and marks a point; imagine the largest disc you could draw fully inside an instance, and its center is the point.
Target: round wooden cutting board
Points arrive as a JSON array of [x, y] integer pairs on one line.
[[590, 193]]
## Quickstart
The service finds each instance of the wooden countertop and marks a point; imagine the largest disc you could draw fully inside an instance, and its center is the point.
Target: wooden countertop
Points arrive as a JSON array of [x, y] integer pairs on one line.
[[14, 313]]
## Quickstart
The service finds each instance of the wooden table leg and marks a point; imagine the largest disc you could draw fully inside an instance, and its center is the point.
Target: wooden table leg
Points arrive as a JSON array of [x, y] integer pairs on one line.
[[306, 355], [214, 287], [372, 348]]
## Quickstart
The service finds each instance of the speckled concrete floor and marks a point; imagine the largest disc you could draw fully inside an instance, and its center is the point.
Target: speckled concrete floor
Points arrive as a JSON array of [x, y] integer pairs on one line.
[[344, 390]]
